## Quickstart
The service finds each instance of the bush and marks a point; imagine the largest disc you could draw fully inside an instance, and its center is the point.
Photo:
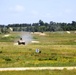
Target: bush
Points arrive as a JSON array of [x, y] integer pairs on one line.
[[7, 59], [0, 51]]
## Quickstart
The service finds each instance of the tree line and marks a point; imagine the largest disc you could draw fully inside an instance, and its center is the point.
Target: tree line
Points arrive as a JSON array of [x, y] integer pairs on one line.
[[39, 27]]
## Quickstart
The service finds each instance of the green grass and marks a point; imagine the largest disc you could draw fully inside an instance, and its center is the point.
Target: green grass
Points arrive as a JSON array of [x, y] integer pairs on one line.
[[57, 49], [56, 38], [10, 38], [42, 72]]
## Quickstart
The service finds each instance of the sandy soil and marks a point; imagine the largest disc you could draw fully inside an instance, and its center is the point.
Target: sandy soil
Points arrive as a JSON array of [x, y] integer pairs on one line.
[[36, 68], [6, 35], [35, 41], [39, 33]]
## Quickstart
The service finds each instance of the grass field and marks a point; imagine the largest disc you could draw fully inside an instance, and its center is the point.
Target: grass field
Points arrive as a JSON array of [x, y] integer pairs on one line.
[[42, 72], [57, 49]]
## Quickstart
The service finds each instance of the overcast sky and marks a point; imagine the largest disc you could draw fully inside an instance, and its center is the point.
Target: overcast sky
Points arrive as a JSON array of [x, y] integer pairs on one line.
[[31, 11]]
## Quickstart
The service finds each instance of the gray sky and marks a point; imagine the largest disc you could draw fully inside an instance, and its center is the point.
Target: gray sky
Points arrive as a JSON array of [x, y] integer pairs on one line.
[[31, 11]]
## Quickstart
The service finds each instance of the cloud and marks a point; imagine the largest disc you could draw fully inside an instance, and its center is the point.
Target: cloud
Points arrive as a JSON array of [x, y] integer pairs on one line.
[[17, 8]]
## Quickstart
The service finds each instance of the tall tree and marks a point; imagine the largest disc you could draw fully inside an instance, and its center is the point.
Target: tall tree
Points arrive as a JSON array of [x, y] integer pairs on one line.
[[41, 23]]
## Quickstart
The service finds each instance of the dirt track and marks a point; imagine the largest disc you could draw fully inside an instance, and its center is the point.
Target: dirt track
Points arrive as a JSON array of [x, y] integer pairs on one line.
[[36, 68]]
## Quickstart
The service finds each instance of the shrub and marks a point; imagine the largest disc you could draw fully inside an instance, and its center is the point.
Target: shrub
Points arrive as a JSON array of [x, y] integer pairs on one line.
[[7, 59], [0, 51]]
